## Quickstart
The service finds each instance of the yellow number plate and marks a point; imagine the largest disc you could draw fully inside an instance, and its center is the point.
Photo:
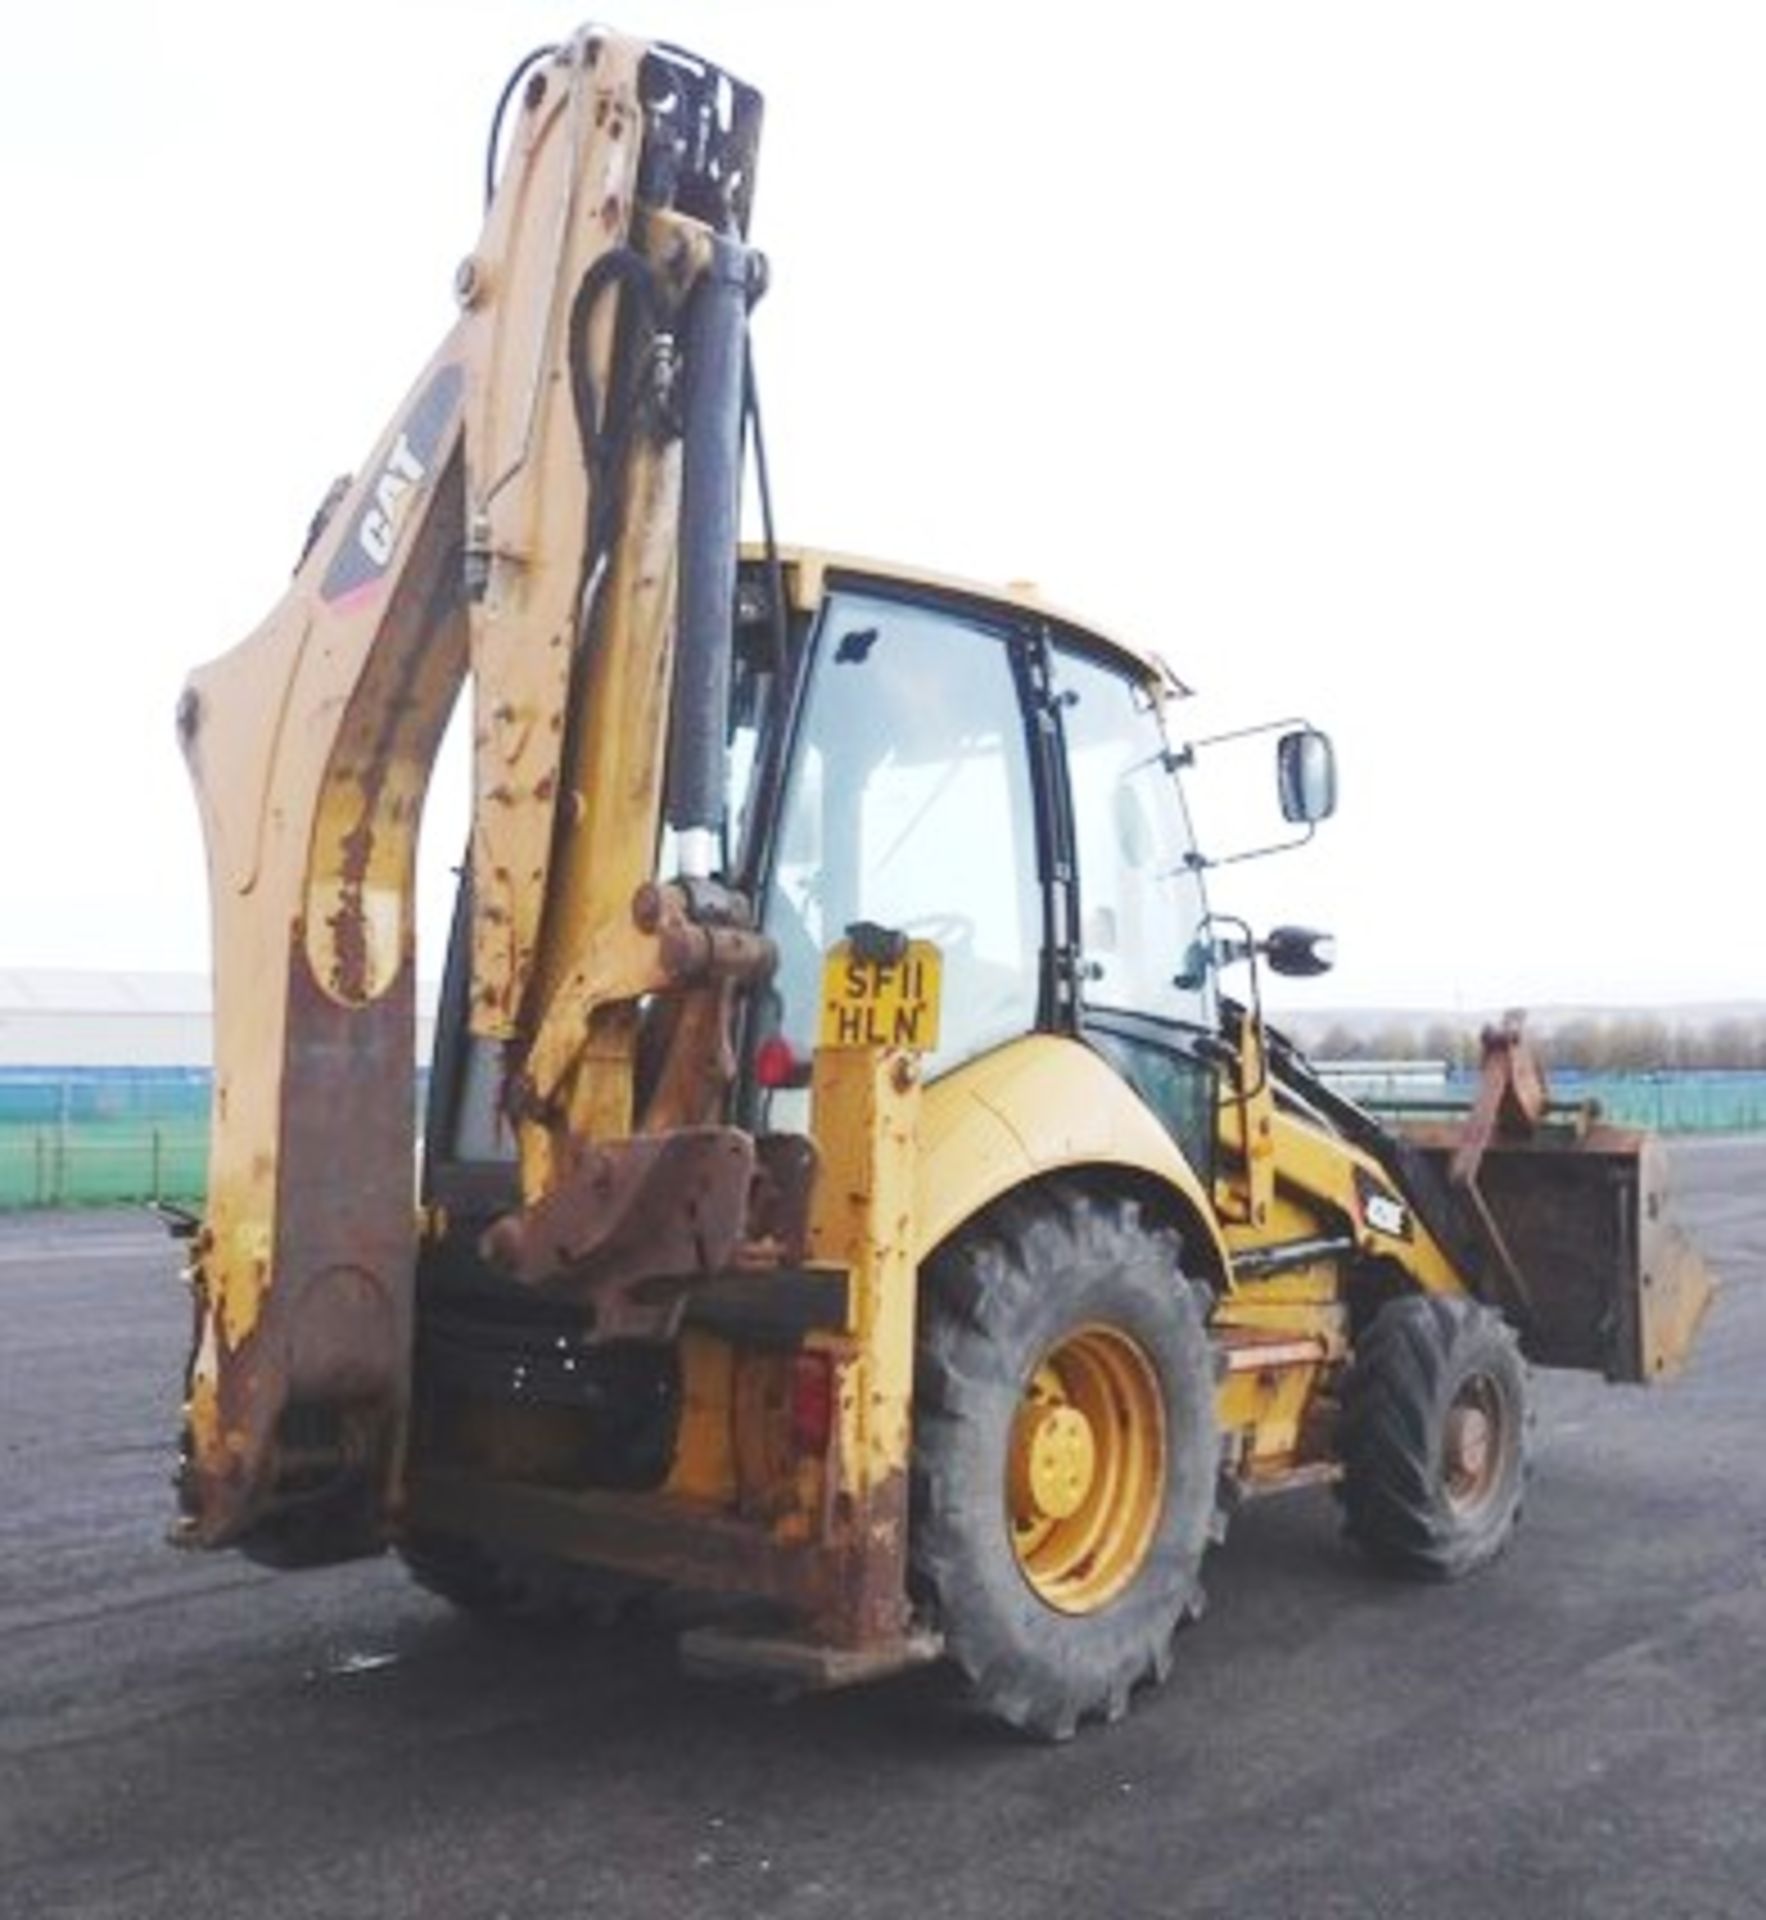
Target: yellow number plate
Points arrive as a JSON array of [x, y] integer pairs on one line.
[[869, 1004]]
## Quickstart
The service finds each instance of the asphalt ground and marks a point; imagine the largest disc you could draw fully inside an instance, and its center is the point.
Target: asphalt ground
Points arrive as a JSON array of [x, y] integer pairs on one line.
[[1581, 1730]]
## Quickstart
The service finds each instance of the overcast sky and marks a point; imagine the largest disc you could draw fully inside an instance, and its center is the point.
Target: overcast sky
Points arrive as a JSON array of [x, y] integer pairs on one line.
[[1400, 365]]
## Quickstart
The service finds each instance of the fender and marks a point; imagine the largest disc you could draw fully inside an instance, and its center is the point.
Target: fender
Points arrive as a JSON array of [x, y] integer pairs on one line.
[[1032, 1108]]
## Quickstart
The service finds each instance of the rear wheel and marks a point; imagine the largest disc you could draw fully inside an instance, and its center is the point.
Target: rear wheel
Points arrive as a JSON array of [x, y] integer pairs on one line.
[[1065, 1456], [505, 1584], [1434, 1437]]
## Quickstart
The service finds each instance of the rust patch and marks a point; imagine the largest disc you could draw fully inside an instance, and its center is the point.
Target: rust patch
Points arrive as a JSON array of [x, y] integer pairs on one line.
[[351, 967], [293, 1419], [634, 1225], [657, 1207], [784, 1183], [875, 1592], [1512, 1095], [850, 1585], [348, 925], [692, 954]]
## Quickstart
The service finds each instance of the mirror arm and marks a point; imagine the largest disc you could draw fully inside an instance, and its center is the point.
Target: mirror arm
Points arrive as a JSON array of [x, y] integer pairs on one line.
[[1188, 751], [1205, 863]]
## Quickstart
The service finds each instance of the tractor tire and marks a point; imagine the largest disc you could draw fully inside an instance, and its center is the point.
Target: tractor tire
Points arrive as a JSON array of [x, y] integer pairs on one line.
[[1435, 1436], [501, 1585], [1066, 1456]]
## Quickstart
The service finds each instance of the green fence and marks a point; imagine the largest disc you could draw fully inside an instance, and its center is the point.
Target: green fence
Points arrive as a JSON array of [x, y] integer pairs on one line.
[[96, 1137], [1673, 1102], [1711, 1101]]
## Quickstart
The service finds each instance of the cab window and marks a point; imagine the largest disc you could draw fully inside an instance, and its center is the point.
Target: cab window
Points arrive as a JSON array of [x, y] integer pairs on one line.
[[1140, 899]]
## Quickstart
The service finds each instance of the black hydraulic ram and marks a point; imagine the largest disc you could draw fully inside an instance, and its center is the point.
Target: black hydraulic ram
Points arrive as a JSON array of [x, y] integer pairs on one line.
[[711, 483]]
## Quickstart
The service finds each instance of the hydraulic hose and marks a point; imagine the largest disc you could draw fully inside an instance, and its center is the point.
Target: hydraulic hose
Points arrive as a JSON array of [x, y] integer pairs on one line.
[[521, 70]]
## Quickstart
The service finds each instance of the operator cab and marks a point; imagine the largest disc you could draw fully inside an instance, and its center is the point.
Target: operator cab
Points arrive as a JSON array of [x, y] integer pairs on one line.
[[996, 780]]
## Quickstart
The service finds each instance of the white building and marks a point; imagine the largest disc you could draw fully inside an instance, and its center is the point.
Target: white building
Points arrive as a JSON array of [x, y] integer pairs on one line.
[[70, 1017]]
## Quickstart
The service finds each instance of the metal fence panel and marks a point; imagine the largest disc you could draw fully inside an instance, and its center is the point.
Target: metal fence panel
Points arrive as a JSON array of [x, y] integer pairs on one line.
[[97, 1137]]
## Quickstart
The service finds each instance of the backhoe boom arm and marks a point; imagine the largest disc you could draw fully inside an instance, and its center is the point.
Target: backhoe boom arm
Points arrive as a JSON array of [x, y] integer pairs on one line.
[[520, 520]]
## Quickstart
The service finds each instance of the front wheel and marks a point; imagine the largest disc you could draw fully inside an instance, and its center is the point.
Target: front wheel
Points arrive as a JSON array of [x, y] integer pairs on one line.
[[1065, 1455], [1434, 1436]]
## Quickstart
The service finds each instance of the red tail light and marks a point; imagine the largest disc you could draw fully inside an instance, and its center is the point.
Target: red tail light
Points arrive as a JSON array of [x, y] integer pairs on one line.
[[775, 1063], [812, 1402]]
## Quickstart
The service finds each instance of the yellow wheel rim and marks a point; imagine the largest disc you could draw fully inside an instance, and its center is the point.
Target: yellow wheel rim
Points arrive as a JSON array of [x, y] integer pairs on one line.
[[1085, 1469]]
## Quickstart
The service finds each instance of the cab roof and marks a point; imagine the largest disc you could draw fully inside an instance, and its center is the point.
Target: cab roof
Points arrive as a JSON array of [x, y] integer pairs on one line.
[[807, 569]]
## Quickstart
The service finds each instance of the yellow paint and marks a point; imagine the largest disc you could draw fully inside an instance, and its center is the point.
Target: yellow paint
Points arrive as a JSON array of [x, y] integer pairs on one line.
[[593, 957], [1244, 1189], [704, 1466], [1038, 1106], [1326, 1322], [202, 1410], [1316, 1285], [1268, 1408], [865, 1107], [567, 202], [1282, 1179]]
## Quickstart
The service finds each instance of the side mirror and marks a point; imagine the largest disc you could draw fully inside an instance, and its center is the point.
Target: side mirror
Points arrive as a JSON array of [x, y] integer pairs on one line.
[[1306, 776], [1299, 952]]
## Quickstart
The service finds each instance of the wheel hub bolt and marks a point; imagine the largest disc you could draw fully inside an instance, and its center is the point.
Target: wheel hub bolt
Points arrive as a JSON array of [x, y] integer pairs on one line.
[[1058, 1454]]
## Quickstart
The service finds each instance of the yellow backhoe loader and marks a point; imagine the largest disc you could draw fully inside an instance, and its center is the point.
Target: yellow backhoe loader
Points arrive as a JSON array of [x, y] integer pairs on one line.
[[844, 1184]]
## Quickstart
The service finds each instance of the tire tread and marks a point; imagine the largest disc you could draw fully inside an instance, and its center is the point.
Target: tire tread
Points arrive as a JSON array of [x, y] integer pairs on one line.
[[1394, 1405], [1038, 1671]]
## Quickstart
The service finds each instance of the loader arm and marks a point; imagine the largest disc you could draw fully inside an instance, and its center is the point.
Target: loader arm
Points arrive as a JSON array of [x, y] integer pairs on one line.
[[520, 519], [1531, 1204]]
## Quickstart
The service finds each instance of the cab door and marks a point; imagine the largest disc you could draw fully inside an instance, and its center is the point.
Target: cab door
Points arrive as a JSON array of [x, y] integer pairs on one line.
[[1137, 904], [908, 801]]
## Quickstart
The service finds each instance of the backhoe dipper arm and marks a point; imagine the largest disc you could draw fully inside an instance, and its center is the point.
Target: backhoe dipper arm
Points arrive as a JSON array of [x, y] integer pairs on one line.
[[520, 517]]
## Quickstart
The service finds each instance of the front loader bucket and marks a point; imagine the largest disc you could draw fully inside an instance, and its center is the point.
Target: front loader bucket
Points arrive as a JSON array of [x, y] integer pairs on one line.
[[1571, 1222], [1581, 1249]]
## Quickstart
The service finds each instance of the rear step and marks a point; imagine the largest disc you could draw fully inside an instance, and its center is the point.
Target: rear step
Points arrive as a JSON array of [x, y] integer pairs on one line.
[[794, 1663]]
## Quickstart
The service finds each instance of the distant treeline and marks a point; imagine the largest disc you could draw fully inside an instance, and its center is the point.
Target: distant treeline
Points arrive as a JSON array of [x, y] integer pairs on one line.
[[1624, 1043]]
